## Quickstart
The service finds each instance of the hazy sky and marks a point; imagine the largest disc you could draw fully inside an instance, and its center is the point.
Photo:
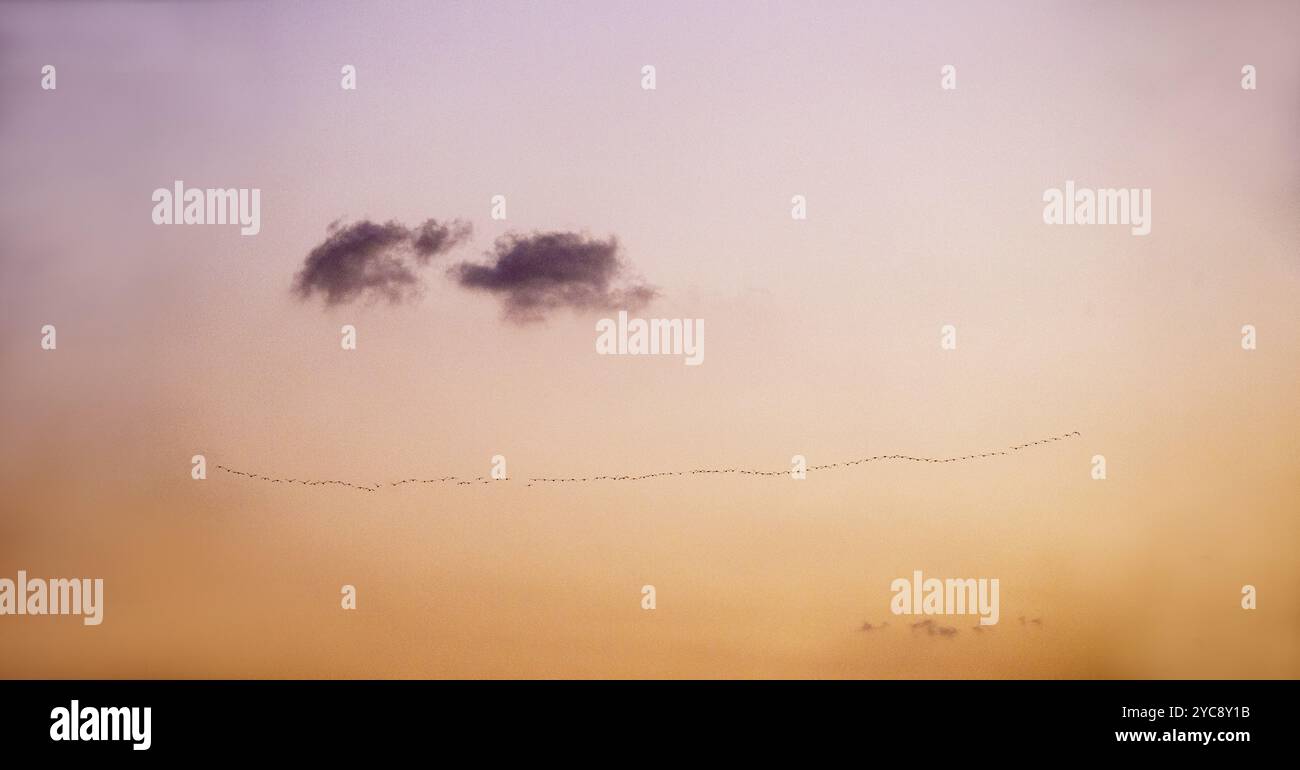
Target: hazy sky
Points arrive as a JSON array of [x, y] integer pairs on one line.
[[924, 209]]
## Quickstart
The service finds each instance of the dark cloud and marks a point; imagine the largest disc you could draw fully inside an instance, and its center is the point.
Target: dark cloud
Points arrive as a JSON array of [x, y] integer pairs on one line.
[[370, 259], [541, 272], [431, 239]]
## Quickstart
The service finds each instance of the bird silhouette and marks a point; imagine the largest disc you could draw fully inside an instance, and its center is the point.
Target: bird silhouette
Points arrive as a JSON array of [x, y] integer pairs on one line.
[[696, 471]]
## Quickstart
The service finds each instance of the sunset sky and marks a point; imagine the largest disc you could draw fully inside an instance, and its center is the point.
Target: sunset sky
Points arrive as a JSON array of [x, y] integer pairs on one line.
[[822, 339]]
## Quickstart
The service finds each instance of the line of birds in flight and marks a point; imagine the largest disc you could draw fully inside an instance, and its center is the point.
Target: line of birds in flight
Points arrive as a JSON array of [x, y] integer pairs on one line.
[[934, 629], [694, 472]]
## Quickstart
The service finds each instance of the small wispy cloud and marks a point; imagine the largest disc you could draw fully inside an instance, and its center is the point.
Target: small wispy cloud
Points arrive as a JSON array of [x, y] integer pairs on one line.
[[372, 260], [538, 273]]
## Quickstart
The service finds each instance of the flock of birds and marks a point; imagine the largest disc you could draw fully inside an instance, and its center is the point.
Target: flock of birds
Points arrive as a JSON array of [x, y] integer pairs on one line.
[[694, 472], [947, 632]]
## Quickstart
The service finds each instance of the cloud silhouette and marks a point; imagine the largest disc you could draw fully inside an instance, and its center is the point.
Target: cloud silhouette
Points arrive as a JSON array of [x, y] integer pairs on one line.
[[370, 259], [537, 273], [431, 239]]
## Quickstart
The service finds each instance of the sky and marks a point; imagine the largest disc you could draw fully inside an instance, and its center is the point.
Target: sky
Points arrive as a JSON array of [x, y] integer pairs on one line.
[[924, 209]]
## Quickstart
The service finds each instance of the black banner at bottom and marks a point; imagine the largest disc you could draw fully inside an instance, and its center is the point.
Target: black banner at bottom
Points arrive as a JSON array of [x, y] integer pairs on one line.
[[942, 720]]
